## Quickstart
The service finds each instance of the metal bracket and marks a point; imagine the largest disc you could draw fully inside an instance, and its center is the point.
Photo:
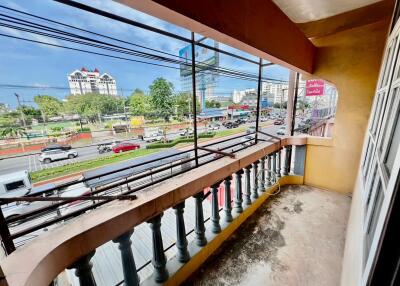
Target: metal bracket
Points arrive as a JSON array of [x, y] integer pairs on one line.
[[57, 199], [217, 152], [270, 135]]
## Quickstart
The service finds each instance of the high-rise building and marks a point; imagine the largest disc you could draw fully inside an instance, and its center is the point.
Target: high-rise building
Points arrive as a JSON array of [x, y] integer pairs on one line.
[[85, 81], [276, 92], [238, 95]]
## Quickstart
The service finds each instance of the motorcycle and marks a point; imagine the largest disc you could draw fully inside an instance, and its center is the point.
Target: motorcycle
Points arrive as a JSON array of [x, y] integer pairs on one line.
[[104, 149]]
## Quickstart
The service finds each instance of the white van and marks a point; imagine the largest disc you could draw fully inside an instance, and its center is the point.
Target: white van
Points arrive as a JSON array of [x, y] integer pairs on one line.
[[16, 184]]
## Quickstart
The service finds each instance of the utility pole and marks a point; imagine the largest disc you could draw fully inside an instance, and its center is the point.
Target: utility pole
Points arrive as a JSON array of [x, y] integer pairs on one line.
[[20, 109]]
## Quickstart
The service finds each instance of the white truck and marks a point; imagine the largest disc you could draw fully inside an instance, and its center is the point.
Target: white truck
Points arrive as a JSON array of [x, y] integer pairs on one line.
[[18, 184], [152, 134]]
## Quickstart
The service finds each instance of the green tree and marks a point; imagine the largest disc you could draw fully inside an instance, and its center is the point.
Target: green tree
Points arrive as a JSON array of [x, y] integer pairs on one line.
[[138, 103], [93, 105], [161, 97], [30, 113], [48, 105], [278, 105], [12, 131], [184, 104], [212, 104]]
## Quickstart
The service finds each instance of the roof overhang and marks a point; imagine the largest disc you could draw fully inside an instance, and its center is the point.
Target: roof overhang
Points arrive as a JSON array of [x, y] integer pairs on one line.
[[258, 27]]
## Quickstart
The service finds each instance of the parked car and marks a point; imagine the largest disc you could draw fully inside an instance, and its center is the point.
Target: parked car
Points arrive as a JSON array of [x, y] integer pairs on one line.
[[231, 124], [251, 129], [56, 146], [58, 154], [263, 119], [125, 146], [278, 122], [186, 132], [152, 134], [247, 140], [240, 121], [281, 130], [213, 126], [23, 208]]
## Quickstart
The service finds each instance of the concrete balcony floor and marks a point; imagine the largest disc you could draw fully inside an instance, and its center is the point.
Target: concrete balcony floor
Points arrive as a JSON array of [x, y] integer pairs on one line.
[[295, 238]]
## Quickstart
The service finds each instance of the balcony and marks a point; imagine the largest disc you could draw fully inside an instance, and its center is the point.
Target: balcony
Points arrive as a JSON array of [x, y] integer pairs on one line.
[[255, 206]]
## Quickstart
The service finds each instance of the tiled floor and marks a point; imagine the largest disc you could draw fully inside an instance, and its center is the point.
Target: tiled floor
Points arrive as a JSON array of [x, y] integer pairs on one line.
[[295, 238]]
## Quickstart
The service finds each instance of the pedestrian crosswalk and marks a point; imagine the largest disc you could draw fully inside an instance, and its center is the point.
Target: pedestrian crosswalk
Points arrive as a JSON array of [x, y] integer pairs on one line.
[[33, 163]]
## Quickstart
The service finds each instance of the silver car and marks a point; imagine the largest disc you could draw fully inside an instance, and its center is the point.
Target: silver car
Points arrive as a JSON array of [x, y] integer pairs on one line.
[[54, 155]]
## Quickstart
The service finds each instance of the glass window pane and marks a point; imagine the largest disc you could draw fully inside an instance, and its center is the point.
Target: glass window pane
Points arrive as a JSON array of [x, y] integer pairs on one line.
[[394, 143], [374, 217]]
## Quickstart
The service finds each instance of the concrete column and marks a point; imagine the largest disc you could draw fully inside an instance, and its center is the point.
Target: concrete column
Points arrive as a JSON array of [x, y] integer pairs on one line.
[[286, 166], [255, 180], [159, 261], [261, 185], [199, 228], [247, 193], [269, 172], [238, 192], [215, 226], [273, 167], [131, 277], [83, 270], [228, 199], [278, 163], [181, 241], [289, 109]]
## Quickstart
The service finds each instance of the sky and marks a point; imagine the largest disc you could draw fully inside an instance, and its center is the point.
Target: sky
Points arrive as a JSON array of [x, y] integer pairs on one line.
[[44, 67]]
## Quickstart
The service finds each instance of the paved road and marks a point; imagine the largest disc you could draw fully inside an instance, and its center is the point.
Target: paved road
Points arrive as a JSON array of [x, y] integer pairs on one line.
[[31, 162]]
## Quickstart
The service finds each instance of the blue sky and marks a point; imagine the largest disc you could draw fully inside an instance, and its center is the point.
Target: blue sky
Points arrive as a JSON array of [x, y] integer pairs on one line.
[[32, 64]]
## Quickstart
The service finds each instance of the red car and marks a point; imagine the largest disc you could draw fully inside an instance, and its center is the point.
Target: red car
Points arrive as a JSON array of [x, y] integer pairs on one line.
[[125, 146]]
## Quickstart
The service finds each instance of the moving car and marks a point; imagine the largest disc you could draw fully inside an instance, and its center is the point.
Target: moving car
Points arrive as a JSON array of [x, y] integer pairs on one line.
[[56, 146], [58, 154], [125, 146], [281, 130], [278, 122]]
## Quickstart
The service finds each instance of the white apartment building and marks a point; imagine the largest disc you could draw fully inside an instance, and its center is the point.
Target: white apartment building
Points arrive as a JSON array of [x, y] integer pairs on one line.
[[238, 95], [84, 81], [276, 92]]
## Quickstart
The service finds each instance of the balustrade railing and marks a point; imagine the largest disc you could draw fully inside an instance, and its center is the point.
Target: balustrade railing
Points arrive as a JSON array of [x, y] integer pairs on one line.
[[250, 175]]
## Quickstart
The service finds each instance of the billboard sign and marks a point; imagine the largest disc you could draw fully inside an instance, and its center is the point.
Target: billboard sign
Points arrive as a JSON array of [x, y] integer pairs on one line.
[[205, 58], [315, 87]]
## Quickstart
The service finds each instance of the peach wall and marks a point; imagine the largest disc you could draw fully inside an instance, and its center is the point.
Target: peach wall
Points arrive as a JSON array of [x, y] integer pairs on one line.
[[351, 60]]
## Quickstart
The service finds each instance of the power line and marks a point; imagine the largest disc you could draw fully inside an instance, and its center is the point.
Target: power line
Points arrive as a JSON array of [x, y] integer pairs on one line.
[[202, 67]]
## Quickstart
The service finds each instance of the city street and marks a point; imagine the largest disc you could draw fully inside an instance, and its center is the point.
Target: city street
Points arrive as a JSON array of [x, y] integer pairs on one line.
[[31, 162]]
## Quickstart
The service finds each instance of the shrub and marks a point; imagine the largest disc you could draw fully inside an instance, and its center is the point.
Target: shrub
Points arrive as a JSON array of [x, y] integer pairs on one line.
[[56, 129], [84, 129], [170, 144]]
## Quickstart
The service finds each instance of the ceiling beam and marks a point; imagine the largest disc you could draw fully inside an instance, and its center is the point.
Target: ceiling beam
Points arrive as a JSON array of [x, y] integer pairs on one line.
[[258, 27], [355, 18]]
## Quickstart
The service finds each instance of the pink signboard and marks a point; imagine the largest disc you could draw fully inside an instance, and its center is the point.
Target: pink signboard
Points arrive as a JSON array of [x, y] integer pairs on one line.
[[315, 87]]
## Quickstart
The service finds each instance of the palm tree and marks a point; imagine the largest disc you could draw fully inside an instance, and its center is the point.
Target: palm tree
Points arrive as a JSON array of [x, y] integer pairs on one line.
[[12, 131]]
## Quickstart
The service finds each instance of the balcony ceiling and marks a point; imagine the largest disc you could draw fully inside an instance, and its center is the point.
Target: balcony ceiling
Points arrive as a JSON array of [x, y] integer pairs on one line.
[[302, 11]]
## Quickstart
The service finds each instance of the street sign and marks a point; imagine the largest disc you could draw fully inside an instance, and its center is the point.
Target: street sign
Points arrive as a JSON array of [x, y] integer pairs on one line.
[[315, 87]]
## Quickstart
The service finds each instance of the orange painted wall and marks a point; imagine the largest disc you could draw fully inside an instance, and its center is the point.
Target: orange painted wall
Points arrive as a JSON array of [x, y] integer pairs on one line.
[[351, 60]]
